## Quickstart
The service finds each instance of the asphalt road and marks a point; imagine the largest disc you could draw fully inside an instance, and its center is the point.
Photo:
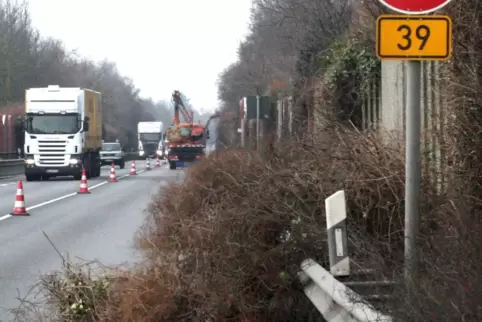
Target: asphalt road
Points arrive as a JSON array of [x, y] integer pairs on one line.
[[99, 226]]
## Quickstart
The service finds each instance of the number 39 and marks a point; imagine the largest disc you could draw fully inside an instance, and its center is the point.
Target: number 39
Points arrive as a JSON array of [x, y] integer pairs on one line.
[[422, 33]]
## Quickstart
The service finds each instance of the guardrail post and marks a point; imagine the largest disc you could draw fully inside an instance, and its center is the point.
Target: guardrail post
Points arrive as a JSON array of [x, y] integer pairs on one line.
[[335, 206]]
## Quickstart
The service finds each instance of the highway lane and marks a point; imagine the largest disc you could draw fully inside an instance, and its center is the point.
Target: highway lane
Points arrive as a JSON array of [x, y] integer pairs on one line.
[[41, 191], [100, 226]]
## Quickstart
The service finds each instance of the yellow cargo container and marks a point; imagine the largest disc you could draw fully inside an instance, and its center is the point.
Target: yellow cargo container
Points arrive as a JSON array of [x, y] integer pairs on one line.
[[93, 111]]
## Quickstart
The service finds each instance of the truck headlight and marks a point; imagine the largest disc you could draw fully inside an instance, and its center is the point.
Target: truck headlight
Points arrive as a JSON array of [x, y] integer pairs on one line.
[[29, 161], [141, 153], [73, 161]]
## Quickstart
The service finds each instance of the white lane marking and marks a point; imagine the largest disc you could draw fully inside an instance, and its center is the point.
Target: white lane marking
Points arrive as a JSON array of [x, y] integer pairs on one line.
[[66, 196], [6, 184]]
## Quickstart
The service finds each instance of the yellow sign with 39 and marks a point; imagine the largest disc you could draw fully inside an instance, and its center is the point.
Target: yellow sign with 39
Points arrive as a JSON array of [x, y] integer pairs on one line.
[[402, 37]]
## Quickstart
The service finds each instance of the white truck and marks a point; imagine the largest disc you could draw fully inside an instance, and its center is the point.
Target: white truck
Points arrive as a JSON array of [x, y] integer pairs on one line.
[[149, 135], [63, 132]]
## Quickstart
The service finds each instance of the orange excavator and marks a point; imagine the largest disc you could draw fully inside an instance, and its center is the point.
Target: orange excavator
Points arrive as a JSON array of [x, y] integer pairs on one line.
[[186, 141]]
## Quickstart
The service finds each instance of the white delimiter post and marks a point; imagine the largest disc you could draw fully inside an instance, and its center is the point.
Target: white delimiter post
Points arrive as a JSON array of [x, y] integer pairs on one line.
[[337, 234]]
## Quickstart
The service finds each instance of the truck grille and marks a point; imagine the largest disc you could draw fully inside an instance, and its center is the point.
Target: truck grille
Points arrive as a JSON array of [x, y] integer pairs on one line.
[[52, 153]]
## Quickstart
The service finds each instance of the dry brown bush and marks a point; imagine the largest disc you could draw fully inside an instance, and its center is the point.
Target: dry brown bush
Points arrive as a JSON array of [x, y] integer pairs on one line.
[[215, 250], [219, 230]]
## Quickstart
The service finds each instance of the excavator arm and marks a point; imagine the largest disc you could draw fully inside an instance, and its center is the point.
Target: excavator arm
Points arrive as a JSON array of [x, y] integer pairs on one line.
[[180, 107]]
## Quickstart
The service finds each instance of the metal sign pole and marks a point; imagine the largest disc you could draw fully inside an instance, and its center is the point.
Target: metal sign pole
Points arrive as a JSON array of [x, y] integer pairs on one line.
[[412, 168], [413, 35]]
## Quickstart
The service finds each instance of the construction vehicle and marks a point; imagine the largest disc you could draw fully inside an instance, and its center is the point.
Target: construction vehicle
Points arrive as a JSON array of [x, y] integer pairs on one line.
[[185, 141], [149, 135], [63, 132]]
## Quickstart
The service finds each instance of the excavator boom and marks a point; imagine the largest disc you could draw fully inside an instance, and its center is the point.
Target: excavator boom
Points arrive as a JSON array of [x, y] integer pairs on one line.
[[180, 107]]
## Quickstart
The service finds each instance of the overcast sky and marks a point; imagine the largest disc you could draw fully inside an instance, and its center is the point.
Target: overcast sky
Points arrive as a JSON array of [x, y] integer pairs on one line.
[[162, 45]]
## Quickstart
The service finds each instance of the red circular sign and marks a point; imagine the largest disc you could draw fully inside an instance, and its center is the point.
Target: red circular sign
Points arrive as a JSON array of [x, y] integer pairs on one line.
[[415, 7]]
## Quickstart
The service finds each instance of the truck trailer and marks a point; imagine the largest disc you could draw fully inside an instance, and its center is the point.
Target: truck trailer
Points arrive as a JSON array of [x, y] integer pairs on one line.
[[63, 132], [149, 135]]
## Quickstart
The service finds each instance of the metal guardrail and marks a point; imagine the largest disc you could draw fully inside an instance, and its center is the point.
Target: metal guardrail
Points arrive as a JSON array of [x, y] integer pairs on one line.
[[9, 156], [333, 299], [11, 167]]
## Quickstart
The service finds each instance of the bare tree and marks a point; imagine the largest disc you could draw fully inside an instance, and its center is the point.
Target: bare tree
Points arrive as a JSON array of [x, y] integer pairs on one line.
[[29, 61], [283, 48]]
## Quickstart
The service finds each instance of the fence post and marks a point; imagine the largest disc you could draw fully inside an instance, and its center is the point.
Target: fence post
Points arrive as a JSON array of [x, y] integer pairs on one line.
[[3, 137], [335, 206], [279, 120], [243, 132], [10, 139], [252, 133]]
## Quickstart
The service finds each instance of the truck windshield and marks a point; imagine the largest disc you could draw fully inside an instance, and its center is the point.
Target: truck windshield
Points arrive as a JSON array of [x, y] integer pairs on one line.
[[150, 136], [53, 124], [111, 147]]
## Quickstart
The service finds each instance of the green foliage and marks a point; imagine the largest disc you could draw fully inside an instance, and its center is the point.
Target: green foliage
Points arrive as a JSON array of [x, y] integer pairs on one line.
[[349, 60], [349, 69]]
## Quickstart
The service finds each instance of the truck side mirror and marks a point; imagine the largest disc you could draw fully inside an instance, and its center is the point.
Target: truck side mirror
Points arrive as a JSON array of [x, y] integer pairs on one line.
[[207, 134], [86, 126]]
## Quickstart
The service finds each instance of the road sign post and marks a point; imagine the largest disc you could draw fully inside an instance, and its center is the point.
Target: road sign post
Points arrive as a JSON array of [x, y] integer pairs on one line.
[[412, 167], [413, 37]]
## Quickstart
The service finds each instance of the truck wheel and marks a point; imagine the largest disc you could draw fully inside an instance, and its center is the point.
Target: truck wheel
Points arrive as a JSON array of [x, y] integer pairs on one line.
[[78, 176], [30, 177], [89, 167], [122, 164], [172, 165]]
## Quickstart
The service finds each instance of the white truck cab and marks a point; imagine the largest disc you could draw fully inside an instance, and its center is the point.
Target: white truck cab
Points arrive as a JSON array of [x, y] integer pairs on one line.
[[58, 138], [149, 135]]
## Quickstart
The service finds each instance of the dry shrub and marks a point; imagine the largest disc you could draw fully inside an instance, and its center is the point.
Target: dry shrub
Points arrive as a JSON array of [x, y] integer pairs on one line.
[[226, 243], [219, 237], [78, 292], [220, 231]]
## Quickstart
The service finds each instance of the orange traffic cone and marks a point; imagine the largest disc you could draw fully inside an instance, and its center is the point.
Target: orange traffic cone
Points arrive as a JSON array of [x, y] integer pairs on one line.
[[148, 164], [19, 206], [83, 183], [112, 177], [158, 163], [133, 171]]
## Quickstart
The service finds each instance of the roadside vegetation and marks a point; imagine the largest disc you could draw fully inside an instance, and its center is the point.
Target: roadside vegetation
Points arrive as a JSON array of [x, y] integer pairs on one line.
[[227, 242]]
